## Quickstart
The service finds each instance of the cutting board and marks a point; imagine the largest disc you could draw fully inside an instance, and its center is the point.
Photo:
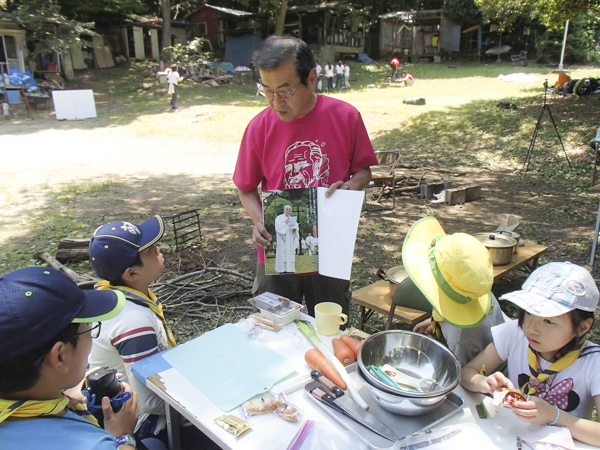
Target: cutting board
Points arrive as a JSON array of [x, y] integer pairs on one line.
[[228, 366]]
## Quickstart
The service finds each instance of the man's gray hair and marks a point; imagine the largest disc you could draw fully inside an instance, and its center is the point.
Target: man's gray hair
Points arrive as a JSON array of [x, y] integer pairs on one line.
[[278, 50]]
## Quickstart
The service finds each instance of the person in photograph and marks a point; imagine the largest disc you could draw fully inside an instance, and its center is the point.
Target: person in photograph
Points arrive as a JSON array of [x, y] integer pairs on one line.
[[285, 255]]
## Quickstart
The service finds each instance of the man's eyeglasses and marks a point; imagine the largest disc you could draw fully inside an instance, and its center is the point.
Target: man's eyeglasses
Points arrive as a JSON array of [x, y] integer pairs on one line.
[[94, 330], [285, 95]]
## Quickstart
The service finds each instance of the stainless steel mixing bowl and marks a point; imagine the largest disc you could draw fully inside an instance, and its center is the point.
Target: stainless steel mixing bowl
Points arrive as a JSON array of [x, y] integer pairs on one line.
[[416, 355]]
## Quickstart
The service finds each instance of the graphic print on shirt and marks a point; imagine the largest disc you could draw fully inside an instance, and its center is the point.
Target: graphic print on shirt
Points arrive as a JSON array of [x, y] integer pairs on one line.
[[561, 394], [305, 166]]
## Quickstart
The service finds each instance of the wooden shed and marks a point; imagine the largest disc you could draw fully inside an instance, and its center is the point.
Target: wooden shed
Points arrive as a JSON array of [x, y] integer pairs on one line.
[[12, 45], [214, 23], [419, 35], [332, 29], [143, 40]]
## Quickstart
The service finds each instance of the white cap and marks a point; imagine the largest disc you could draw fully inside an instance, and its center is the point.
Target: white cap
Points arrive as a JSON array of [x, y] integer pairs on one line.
[[555, 289]]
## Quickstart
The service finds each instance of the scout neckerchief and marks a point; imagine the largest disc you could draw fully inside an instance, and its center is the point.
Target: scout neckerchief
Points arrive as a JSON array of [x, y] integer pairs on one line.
[[136, 296], [41, 408], [436, 328], [536, 378]]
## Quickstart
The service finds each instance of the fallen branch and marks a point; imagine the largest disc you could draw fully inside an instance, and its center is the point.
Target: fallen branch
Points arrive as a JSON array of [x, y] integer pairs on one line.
[[45, 256]]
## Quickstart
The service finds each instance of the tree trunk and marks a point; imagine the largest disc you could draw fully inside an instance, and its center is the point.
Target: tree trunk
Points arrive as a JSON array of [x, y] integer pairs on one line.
[[166, 28], [281, 19]]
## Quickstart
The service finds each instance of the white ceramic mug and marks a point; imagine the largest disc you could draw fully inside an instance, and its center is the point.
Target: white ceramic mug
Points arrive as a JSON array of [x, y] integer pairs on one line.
[[329, 317]]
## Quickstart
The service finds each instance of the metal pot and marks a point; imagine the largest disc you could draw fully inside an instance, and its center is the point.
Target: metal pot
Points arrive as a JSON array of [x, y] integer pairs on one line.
[[499, 245], [394, 275], [513, 235]]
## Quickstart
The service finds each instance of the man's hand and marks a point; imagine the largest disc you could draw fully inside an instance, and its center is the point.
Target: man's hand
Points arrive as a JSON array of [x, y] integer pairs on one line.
[[335, 186], [122, 422], [260, 236]]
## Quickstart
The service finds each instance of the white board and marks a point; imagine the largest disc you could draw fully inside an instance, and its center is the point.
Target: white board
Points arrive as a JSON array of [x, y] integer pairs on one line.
[[74, 105]]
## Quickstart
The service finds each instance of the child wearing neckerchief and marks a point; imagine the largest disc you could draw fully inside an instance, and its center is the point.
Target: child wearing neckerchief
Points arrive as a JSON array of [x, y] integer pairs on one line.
[[547, 354]]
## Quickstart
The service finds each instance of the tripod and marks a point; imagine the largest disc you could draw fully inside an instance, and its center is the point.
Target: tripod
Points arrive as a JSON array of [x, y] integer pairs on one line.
[[537, 129]]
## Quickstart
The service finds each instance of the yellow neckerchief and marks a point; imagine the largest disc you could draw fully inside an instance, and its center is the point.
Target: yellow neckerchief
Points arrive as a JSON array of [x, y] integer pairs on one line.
[[536, 378], [41, 408], [150, 300], [436, 328]]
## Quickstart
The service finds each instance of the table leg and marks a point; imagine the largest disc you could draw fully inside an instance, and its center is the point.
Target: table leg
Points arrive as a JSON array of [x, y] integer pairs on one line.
[[391, 316], [361, 311], [173, 428], [534, 263]]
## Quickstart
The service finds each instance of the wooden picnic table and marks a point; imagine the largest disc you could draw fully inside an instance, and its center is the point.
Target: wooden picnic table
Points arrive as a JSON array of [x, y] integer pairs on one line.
[[377, 297]]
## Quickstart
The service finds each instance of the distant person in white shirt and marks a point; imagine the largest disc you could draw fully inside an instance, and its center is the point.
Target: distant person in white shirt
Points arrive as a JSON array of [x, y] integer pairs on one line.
[[319, 76], [346, 76], [339, 72], [173, 79], [329, 75]]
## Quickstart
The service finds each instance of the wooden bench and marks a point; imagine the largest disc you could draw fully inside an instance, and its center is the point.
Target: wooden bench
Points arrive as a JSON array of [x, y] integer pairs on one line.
[[377, 296]]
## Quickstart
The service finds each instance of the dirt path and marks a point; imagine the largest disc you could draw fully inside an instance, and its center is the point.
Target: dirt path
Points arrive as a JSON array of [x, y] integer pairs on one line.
[[65, 154]]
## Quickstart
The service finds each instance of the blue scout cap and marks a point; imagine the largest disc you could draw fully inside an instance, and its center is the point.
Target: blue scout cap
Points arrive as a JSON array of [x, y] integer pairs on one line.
[[37, 303], [115, 246]]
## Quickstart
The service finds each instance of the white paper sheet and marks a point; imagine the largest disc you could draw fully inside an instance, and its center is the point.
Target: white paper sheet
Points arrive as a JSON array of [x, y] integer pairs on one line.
[[338, 224]]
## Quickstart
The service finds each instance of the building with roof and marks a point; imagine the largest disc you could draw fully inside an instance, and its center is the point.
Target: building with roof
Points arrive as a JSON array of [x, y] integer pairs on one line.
[[215, 23], [418, 35]]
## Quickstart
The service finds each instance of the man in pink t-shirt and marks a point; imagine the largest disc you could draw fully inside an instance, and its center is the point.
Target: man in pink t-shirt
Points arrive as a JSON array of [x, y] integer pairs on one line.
[[301, 140]]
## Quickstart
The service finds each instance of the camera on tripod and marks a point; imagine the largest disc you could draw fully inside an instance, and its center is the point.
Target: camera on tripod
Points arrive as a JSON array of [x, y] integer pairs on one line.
[[105, 383]]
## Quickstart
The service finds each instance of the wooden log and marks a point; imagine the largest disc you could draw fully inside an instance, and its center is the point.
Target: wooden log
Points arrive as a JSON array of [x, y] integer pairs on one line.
[[44, 256], [74, 243], [72, 254]]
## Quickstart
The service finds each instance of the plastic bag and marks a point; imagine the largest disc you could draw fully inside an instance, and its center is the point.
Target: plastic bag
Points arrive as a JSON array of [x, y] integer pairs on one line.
[[456, 437], [324, 435], [509, 223], [439, 198]]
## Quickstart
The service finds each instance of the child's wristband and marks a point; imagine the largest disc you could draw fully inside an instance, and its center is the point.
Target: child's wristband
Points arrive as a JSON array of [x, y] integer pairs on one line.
[[557, 415]]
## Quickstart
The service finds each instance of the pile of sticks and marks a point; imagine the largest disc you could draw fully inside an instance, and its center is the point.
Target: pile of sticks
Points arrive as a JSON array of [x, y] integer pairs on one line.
[[214, 294]]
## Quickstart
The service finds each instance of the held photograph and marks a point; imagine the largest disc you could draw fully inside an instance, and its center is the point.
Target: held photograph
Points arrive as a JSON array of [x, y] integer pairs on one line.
[[290, 216]]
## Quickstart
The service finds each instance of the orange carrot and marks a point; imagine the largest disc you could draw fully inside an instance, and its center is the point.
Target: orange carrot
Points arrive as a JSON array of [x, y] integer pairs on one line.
[[316, 361], [342, 352], [354, 344]]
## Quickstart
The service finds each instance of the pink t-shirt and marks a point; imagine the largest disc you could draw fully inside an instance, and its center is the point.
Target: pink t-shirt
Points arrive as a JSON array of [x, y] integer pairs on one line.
[[329, 144]]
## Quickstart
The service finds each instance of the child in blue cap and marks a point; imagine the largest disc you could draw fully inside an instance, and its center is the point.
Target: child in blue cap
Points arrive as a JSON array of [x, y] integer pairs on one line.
[[127, 257], [46, 329], [549, 359]]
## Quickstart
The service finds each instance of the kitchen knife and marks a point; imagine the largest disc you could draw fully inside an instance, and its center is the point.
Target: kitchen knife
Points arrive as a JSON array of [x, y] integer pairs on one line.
[[349, 407], [326, 384]]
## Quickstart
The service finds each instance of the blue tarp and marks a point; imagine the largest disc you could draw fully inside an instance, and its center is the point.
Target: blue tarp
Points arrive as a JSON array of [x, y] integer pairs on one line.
[[16, 78], [363, 57], [239, 49]]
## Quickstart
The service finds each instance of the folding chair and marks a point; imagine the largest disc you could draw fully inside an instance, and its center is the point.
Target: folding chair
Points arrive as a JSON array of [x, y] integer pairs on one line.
[[521, 57], [382, 176], [407, 295]]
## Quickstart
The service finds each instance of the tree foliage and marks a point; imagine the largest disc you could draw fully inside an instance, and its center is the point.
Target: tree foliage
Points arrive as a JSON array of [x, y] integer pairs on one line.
[[551, 13], [47, 28], [463, 12]]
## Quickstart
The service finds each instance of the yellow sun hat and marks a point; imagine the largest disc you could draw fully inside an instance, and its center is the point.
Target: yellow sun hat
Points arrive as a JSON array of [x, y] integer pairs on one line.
[[454, 272]]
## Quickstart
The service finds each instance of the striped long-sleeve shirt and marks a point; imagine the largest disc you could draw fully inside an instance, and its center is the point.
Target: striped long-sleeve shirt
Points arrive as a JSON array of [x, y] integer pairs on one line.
[[133, 335]]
